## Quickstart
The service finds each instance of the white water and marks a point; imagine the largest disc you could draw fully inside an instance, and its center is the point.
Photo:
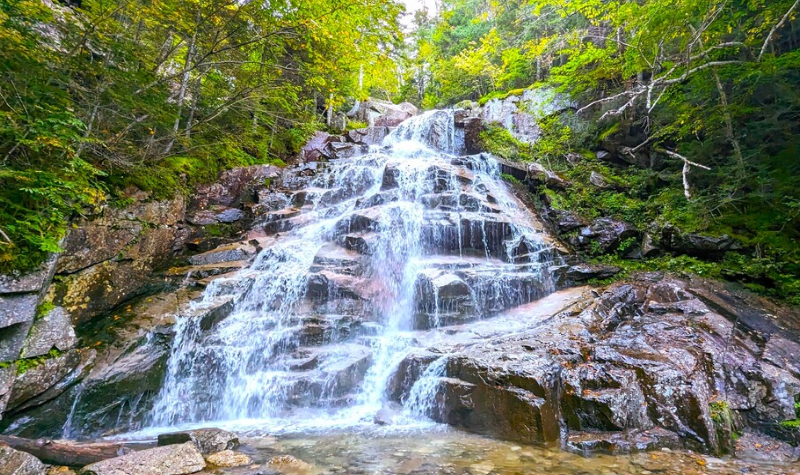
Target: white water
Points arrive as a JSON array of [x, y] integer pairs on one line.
[[255, 371]]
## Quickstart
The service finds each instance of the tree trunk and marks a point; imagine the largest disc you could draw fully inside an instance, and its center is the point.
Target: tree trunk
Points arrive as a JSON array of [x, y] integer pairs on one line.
[[69, 454], [182, 91]]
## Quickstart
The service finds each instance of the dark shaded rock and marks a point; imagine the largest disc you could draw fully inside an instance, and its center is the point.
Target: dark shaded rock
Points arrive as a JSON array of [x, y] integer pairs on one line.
[[473, 127], [650, 246], [53, 330], [14, 462], [119, 391], [604, 235], [87, 358], [40, 378], [316, 148], [208, 441], [582, 273], [696, 244], [566, 221], [213, 312], [233, 187], [7, 376], [180, 459]]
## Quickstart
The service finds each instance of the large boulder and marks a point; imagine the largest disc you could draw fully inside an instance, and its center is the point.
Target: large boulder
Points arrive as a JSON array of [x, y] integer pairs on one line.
[[375, 112], [603, 235], [181, 459], [643, 365], [13, 462]]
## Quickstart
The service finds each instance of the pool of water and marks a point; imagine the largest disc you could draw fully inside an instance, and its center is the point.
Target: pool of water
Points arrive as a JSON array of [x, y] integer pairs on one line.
[[451, 452]]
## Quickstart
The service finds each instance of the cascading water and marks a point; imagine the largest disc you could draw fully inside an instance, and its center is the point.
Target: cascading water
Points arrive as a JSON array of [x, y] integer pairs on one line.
[[367, 254]]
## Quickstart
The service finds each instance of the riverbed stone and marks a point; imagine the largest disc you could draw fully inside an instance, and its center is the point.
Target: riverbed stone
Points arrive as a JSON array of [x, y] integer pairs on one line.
[[14, 462], [228, 458], [180, 459], [208, 441]]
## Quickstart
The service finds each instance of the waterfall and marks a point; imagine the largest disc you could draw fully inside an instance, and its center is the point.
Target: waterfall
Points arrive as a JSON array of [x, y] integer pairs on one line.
[[369, 253]]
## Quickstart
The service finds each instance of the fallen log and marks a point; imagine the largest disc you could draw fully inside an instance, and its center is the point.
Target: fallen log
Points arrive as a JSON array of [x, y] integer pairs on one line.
[[70, 454]]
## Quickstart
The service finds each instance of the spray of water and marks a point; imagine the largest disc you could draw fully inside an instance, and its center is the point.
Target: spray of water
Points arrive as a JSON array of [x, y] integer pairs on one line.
[[373, 249]]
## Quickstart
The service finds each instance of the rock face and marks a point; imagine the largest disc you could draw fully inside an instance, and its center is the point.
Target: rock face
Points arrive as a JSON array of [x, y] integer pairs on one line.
[[643, 365], [53, 330], [181, 459], [381, 113], [13, 462]]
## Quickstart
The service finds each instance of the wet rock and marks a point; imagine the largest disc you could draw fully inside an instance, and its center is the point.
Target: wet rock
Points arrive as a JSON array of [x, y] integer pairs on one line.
[[639, 366], [40, 378], [13, 462], [341, 151], [566, 221], [53, 330], [229, 253], [228, 458], [376, 112], [619, 443], [327, 285], [211, 313], [763, 448], [368, 136], [585, 272], [216, 215], [118, 393], [473, 127], [208, 441], [6, 385], [288, 462], [52, 391], [181, 459]]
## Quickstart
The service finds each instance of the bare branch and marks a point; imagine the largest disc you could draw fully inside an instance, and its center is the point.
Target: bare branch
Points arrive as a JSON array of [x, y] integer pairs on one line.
[[775, 28]]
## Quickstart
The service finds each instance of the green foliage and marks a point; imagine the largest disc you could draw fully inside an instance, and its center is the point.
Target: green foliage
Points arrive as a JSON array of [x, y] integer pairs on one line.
[[164, 95], [354, 124], [44, 308], [511, 179]]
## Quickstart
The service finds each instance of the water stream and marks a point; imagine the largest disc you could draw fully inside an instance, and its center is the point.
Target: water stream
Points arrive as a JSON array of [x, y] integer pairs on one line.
[[367, 253]]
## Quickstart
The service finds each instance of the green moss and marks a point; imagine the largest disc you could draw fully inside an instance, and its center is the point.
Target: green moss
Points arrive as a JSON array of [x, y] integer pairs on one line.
[[25, 364], [355, 124], [497, 140], [218, 230], [44, 308]]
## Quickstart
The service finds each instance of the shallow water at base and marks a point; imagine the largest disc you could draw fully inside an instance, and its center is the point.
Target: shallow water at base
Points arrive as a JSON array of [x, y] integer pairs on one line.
[[452, 452]]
